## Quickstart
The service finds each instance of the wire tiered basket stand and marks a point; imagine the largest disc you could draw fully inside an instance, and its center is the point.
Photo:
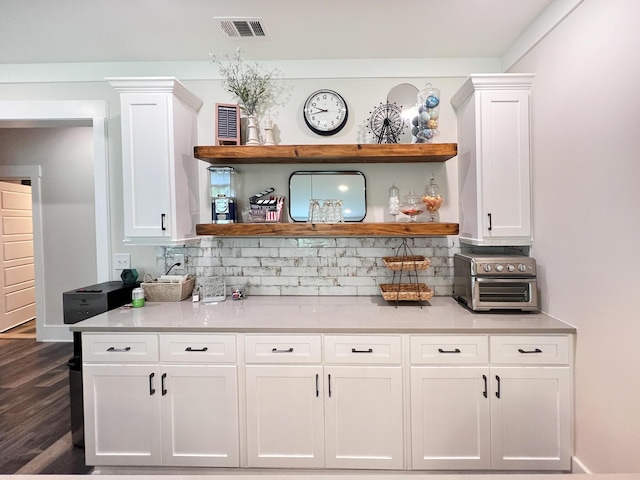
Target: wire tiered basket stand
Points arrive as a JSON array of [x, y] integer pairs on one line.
[[405, 284]]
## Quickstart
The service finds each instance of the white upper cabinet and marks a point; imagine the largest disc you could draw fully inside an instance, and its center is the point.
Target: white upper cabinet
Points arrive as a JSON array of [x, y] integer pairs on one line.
[[494, 159], [160, 173]]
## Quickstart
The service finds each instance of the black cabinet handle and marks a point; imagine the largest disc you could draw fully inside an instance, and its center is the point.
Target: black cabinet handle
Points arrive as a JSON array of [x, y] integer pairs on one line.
[[490, 226], [151, 389], [164, 390], [484, 394], [537, 350], [317, 385], [498, 390], [189, 349], [457, 350], [162, 217], [355, 350], [288, 350], [329, 376], [114, 349]]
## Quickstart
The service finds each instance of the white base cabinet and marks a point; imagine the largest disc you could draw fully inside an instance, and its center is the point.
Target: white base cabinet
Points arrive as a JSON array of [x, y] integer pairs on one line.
[[494, 176], [157, 414], [314, 401], [469, 417]]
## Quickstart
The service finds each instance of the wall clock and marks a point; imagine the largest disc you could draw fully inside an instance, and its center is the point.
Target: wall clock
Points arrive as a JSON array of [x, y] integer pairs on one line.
[[325, 112]]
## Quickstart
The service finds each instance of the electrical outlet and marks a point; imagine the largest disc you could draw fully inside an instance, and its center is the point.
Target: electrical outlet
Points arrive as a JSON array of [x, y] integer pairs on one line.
[[122, 261], [179, 258]]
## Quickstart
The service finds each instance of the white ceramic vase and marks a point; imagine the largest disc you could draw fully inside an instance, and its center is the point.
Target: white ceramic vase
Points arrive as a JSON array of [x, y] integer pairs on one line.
[[253, 131]]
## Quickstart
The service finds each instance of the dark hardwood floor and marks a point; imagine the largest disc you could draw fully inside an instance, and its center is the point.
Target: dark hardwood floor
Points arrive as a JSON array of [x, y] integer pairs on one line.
[[35, 420]]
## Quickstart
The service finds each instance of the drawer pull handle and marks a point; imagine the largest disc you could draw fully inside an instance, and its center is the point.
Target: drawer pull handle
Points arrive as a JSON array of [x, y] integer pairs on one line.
[[288, 350], [498, 390], [484, 394], [537, 350], [114, 349], [189, 349], [355, 350], [457, 350], [151, 389], [164, 390]]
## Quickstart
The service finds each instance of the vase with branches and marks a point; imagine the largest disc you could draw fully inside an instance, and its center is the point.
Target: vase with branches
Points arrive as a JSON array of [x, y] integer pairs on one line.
[[253, 87]]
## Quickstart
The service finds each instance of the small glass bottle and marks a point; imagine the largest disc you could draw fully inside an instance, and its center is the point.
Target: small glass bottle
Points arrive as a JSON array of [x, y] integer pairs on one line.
[[394, 201]]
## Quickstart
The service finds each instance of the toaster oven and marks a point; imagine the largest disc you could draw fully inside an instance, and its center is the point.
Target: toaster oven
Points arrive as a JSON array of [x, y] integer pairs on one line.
[[495, 282]]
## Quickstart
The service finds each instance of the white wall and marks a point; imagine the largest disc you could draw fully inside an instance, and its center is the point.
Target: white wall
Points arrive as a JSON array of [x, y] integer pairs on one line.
[[67, 200], [586, 139]]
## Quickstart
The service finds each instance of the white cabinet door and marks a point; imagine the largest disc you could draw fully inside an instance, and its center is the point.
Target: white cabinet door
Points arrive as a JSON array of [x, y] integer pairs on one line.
[[285, 417], [531, 418], [506, 203], [200, 415], [122, 415], [147, 154], [493, 116], [363, 417], [450, 418]]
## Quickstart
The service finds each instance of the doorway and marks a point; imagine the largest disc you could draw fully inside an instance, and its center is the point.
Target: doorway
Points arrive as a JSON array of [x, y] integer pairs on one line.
[[17, 114]]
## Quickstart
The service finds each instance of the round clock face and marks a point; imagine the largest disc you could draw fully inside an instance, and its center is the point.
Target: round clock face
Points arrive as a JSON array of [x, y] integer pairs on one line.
[[325, 112]]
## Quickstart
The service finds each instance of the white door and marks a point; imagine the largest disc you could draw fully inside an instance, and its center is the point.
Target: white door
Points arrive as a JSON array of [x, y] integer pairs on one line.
[[450, 421], [200, 415], [17, 294], [505, 163], [122, 415], [363, 410], [285, 417], [530, 418]]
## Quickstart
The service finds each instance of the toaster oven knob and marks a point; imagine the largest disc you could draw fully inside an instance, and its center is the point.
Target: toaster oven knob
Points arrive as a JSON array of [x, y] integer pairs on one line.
[[511, 268], [486, 267], [499, 268]]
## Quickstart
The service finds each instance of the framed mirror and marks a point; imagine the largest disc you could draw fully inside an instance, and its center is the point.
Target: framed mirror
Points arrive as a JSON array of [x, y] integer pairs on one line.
[[348, 186]]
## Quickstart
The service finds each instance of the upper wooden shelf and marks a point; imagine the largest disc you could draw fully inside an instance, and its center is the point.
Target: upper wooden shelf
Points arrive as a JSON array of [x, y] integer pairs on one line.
[[347, 229], [351, 153]]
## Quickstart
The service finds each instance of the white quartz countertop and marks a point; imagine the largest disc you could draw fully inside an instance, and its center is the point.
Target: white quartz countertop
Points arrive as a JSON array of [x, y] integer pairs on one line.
[[298, 314]]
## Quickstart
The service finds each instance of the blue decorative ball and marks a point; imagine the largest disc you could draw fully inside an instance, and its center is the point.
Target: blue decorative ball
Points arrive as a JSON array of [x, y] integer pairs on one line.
[[428, 133], [414, 130], [414, 121], [425, 117], [433, 113], [432, 101]]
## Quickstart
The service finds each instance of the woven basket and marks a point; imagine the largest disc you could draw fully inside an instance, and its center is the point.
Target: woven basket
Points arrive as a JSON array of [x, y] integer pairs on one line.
[[155, 291], [405, 291], [416, 262]]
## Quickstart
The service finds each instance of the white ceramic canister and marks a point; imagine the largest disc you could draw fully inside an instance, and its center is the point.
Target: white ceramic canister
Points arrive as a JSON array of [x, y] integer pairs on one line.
[[137, 297]]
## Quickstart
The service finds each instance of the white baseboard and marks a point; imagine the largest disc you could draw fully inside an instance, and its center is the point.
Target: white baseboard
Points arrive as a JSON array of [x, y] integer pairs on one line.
[[578, 467]]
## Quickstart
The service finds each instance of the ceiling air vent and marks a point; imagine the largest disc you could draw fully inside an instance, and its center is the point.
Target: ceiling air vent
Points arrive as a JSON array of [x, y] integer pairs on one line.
[[242, 27]]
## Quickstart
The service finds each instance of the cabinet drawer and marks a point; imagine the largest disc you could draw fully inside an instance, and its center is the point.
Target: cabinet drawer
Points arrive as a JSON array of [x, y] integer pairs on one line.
[[282, 349], [362, 349], [525, 349], [449, 349], [198, 348], [119, 348]]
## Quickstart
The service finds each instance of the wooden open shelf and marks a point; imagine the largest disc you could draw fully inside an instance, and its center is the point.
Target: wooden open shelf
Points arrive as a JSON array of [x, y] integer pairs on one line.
[[327, 229], [351, 153]]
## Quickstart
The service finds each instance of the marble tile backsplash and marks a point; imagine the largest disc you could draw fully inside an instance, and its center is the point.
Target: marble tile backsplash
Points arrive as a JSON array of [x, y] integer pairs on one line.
[[312, 266]]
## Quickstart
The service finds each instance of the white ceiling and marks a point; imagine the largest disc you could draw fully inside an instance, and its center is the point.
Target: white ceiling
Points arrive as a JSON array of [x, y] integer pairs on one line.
[[54, 31]]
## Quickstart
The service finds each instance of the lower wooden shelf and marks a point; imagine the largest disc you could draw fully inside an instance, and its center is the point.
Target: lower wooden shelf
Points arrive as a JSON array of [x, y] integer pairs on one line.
[[347, 229]]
